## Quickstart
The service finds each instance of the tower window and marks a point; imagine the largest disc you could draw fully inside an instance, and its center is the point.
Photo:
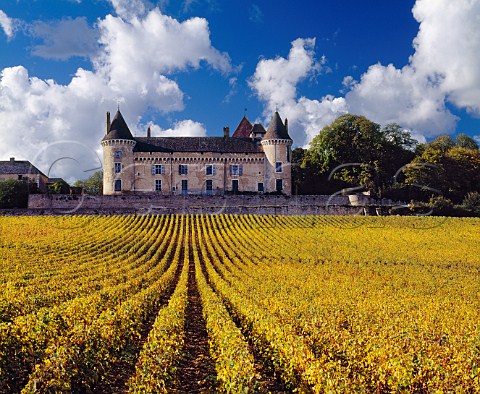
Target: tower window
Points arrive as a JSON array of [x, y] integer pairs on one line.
[[118, 185], [278, 166], [117, 154], [118, 168], [158, 185], [260, 187]]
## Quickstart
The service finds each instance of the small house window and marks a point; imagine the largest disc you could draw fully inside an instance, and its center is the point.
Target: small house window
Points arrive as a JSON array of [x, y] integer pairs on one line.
[[278, 166], [158, 169], [236, 169], [210, 169], [158, 185], [118, 168], [118, 154], [183, 169]]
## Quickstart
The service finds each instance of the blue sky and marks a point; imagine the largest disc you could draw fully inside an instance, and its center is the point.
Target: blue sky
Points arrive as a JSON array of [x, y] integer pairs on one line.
[[191, 67]]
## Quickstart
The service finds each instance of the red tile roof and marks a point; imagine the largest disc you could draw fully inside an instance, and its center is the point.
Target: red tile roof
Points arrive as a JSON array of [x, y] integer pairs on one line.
[[243, 129]]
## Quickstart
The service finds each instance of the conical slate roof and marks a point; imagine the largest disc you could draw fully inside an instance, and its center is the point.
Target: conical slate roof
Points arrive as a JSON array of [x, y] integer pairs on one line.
[[243, 129], [118, 129], [276, 129]]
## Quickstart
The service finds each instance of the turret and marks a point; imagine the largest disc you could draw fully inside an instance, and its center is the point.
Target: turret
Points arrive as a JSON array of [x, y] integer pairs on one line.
[[118, 165], [276, 144]]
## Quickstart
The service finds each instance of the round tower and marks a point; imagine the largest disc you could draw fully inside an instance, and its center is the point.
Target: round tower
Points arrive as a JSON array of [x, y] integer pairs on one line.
[[118, 163], [277, 145]]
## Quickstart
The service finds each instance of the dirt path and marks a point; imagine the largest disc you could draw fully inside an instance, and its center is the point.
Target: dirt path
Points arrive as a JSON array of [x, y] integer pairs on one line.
[[196, 373]]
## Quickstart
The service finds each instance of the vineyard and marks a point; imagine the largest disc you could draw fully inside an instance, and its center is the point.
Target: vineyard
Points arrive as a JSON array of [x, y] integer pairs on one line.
[[239, 304]]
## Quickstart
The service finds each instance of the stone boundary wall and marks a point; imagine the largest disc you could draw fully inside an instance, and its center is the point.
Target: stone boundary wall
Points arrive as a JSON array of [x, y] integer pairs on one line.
[[157, 204]]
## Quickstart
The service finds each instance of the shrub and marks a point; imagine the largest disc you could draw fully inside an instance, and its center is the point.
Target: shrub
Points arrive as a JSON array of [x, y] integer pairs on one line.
[[471, 203], [14, 194]]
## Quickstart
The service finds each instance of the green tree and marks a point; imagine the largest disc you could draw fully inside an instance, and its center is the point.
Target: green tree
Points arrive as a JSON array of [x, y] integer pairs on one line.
[[359, 152], [92, 185], [464, 141], [14, 194], [442, 143], [59, 187], [451, 172]]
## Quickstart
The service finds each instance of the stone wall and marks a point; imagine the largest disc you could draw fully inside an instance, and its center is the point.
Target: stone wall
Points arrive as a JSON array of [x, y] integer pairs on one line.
[[158, 204]]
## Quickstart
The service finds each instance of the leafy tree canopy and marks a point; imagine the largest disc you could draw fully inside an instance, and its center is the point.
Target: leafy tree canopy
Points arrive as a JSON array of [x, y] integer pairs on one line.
[[451, 172], [92, 185], [14, 194], [464, 141], [360, 152]]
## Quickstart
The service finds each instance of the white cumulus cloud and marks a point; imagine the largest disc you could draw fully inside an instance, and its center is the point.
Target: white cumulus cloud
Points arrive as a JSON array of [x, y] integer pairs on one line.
[[183, 128], [44, 121], [131, 9], [443, 70], [65, 38], [6, 24], [275, 83]]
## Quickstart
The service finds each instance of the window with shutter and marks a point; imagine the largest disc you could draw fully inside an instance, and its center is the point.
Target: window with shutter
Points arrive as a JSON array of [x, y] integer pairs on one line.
[[158, 169], [183, 169], [236, 169]]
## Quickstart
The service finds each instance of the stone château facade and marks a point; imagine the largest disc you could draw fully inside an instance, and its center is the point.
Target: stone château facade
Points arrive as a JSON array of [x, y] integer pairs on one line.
[[251, 160]]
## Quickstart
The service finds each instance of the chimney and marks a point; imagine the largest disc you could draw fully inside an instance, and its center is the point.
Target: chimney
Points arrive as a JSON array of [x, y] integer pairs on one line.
[[226, 132], [149, 132], [12, 158], [108, 122], [286, 124]]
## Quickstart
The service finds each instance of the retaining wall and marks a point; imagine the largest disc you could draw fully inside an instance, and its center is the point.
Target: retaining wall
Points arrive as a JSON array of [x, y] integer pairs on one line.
[[157, 204], [259, 204]]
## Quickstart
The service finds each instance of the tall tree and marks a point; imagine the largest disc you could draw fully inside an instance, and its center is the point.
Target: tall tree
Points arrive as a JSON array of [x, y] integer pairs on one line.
[[356, 150], [451, 172], [93, 184], [464, 141]]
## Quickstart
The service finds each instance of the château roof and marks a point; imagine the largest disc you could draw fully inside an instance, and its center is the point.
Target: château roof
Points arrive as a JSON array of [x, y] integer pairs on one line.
[[18, 167], [196, 144], [258, 129], [118, 129], [243, 129], [276, 129]]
